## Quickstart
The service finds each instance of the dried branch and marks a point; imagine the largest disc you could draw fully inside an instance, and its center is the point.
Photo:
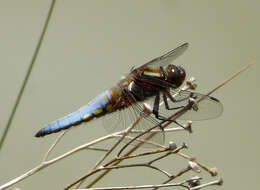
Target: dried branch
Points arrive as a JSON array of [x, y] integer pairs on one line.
[[57, 140], [181, 184], [128, 130], [45, 163], [217, 182]]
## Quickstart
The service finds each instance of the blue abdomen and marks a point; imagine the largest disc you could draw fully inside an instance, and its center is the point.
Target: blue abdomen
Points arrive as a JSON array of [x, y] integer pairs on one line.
[[94, 108]]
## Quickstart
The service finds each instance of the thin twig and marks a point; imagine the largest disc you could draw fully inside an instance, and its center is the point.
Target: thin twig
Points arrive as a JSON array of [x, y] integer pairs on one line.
[[174, 129], [217, 182], [127, 131], [140, 187], [142, 154], [28, 73], [143, 141], [136, 165], [181, 184], [98, 149], [212, 171], [50, 162], [169, 150], [230, 78], [122, 137], [183, 171], [53, 146]]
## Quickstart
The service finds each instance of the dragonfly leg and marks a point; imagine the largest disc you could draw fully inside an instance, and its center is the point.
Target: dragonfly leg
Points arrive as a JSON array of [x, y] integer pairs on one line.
[[136, 106], [156, 105], [167, 94], [156, 111]]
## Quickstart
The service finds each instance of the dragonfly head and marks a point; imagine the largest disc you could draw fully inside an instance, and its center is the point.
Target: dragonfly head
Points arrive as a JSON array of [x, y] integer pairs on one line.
[[175, 75]]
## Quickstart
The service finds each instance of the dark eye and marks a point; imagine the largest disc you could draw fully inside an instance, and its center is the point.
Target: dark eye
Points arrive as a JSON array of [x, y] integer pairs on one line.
[[173, 72], [175, 75]]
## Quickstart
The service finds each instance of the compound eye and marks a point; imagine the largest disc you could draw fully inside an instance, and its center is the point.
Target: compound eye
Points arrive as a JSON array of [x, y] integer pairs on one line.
[[175, 75], [172, 72]]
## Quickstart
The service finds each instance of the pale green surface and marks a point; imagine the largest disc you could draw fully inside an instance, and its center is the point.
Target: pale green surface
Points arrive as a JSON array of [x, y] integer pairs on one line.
[[90, 44]]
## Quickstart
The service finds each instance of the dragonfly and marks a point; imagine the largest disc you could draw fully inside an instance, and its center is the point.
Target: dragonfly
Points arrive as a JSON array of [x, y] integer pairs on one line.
[[156, 81]]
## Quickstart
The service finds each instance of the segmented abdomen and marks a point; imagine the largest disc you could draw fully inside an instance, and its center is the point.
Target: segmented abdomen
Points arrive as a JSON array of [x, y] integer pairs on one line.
[[95, 108]]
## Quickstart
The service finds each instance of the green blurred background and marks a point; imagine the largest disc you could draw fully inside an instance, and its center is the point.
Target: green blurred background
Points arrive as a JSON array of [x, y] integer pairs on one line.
[[90, 44]]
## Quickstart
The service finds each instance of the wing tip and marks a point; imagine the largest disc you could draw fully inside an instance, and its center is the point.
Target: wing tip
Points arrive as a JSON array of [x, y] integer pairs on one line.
[[214, 99]]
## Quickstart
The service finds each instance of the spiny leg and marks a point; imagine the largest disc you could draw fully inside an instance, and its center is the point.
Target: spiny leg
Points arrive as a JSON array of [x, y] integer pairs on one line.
[[140, 109], [156, 111], [165, 100]]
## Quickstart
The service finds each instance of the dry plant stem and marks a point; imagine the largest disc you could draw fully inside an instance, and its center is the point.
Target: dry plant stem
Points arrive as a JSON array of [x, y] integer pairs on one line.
[[107, 166], [230, 78], [174, 129], [138, 165], [127, 131], [52, 161], [143, 141], [150, 153], [118, 142], [115, 162], [163, 149], [183, 171], [181, 184], [53, 146], [203, 166], [98, 149], [217, 182]]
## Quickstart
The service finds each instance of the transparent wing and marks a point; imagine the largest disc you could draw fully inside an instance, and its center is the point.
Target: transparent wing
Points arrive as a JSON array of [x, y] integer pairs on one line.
[[147, 122], [208, 107], [118, 120], [167, 58]]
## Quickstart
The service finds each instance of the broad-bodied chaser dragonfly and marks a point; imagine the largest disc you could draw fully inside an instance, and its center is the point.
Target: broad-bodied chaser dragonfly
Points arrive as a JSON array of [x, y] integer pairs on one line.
[[156, 80]]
